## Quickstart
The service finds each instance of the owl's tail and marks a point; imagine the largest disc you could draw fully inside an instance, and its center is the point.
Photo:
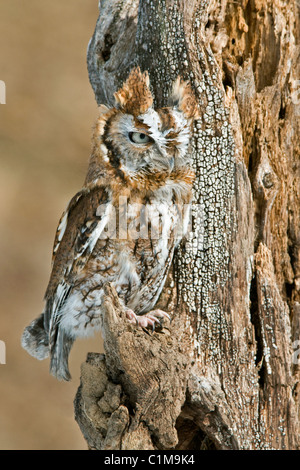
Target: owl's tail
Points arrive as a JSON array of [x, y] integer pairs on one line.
[[60, 350], [35, 340]]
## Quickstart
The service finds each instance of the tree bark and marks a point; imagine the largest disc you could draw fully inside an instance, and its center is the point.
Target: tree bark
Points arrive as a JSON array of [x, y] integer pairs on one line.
[[225, 373]]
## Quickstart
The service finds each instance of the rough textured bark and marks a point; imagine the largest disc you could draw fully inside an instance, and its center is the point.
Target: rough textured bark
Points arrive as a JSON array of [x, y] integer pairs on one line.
[[225, 373]]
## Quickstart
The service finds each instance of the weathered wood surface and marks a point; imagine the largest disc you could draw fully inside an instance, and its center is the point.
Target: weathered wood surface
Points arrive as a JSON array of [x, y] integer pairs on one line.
[[224, 373]]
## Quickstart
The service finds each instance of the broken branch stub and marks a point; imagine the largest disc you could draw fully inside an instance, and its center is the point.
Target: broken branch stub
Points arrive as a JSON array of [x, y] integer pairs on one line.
[[150, 370]]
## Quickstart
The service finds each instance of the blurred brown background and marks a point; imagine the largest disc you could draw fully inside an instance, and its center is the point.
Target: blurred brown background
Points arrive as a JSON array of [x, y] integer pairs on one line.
[[45, 129]]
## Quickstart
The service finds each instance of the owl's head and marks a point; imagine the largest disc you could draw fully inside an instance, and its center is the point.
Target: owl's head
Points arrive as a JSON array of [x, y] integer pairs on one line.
[[135, 138]]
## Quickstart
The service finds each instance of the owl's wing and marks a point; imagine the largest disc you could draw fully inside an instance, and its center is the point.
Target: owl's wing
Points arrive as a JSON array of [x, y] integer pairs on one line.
[[62, 224], [77, 233]]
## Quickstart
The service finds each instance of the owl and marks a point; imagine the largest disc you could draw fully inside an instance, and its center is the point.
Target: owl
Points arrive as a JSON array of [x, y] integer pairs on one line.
[[123, 225]]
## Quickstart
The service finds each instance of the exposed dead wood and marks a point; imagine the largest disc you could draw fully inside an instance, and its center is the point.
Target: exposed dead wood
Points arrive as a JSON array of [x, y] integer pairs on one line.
[[224, 374]]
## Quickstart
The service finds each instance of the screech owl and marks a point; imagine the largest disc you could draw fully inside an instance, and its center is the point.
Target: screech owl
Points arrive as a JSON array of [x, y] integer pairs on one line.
[[122, 227]]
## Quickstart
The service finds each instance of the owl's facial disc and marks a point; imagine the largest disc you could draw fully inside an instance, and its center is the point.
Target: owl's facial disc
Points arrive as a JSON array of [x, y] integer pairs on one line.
[[154, 141]]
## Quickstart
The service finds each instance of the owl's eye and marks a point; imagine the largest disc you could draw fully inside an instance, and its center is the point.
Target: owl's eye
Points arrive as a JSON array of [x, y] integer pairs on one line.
[[139, 138]]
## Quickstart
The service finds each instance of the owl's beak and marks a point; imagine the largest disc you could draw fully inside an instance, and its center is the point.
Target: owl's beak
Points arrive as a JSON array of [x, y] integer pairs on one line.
[[162, 159]]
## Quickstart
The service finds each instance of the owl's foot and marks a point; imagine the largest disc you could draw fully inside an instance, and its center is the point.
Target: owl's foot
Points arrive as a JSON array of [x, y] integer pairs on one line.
[[149, 319]]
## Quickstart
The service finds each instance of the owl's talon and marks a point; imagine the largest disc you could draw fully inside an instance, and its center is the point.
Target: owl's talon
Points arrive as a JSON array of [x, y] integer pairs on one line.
[[151, 319], [132, 318], [159, 313]]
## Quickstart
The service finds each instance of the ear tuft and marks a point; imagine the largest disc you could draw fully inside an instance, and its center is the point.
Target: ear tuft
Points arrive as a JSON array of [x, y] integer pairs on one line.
[[183, 98], [135, 96]]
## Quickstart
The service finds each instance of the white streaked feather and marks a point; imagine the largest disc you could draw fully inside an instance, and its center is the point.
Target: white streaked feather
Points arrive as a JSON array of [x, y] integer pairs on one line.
[[61, 230], [62, 226], [96, 233], [59, 299]]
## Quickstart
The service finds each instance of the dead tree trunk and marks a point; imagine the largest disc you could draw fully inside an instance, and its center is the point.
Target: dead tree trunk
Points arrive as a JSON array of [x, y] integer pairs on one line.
[[225, 373]]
